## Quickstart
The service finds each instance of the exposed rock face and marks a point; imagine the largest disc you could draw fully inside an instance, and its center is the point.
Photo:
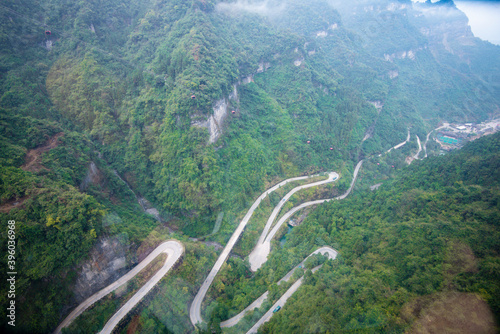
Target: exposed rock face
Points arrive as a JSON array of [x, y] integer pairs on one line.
[[410, 54], [214, 122], [447, 30], [94, 176], [393, 74], [150, 209], [247, 79], [325, 33], [377, 104], [106, 264], [263, 66]]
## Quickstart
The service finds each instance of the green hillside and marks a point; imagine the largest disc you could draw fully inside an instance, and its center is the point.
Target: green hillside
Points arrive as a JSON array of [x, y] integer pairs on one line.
[[429, 233], [196, 107]]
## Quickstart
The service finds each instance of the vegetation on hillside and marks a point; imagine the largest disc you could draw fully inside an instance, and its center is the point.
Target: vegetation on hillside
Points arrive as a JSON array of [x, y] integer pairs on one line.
[[117, 87], [431, 230]]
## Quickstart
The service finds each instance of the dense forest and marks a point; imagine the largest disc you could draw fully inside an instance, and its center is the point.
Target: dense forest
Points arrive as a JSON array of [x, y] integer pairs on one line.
[[194, 108], [428, 235]]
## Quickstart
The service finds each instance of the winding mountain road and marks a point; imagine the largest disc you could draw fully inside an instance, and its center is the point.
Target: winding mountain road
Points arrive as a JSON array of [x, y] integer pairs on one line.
[[445, 125], [261, 251], [330, 252], [425, 144], [419, 148], [195, 309], [174, 250], [400, 144], [260, 257], [331, 177]]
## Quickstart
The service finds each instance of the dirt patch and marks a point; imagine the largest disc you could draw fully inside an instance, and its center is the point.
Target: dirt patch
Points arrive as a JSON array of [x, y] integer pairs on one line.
[[452, 312], [32, 161], [462, 259], [459, 259], [132, 328], [12, 204]]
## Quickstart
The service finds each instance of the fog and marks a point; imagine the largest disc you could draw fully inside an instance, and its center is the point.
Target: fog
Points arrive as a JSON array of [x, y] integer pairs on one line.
[[484, 18], [264, 8]]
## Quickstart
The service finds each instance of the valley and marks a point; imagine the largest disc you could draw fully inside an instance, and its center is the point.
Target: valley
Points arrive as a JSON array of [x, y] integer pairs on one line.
[[230, 166]]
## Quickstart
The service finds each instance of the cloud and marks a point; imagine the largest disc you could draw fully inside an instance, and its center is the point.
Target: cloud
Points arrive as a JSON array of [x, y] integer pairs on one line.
[[483, 19], [263, 8]]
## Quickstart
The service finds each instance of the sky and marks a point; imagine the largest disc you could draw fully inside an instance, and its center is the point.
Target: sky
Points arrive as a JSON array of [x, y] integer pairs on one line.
[[484, 18]]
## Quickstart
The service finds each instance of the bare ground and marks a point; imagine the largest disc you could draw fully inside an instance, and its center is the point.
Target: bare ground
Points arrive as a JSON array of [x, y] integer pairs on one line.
[[453, 312], [9, 205], [132, 328], [32, 161]]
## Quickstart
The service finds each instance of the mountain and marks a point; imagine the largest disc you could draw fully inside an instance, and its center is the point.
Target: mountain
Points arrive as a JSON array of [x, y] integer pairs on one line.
[[419, 254], [121, 120]]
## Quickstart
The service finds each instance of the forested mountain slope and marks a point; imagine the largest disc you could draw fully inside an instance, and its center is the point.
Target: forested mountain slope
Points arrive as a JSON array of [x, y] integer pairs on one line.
[[425, 245], [197, 106]]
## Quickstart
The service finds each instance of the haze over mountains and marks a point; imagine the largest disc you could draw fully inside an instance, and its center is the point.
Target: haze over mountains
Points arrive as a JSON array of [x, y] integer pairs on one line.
[[483, 18], [124, 124]]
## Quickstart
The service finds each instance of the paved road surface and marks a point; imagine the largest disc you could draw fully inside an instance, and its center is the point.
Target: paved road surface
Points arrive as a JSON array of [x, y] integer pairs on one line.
[[425, 144], [258, 256], [330, 252], [195, 310], [174, 250], [427, 139], [281, 302], [258, 302], [331, 177], [261, 251], [400, 144], [419, 148]]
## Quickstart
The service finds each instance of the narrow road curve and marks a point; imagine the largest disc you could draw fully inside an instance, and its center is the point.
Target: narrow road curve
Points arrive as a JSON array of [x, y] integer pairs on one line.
[[330, 252], [400, 144], [174, 250], [419, 148], [261, 251], [256, 304], [425, 144], [445, 125], [195, 310], [331, 177]]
